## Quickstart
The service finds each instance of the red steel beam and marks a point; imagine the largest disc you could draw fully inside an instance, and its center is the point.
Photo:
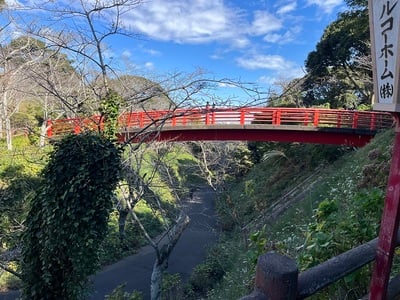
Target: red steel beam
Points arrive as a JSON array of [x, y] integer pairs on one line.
[[389, 226], [333, 137]]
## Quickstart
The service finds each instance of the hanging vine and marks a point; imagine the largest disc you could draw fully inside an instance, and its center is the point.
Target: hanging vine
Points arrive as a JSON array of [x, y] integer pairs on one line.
[[68, 217]]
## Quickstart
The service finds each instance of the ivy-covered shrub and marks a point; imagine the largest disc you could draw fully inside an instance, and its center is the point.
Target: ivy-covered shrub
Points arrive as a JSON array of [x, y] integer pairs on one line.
[[109, 108], [68, 217]]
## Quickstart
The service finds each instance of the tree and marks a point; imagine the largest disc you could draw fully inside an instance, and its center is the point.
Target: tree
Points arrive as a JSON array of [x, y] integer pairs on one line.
[[140, 93], [40, 75], [221, 162], [291, 95], [334, 75], [83, 41], [140, 187], [13, 63]]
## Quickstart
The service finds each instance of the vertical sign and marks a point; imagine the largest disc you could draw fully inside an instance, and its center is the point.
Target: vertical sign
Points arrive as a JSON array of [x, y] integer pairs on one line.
[[384, 26]]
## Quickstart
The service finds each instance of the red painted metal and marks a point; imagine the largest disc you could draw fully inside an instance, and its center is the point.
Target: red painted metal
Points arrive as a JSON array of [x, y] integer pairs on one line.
[[389, 226], [332, 137], [357, 119], [299, 119]]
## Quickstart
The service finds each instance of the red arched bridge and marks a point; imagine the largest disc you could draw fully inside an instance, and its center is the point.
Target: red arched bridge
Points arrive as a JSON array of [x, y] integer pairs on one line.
[[305, 125]]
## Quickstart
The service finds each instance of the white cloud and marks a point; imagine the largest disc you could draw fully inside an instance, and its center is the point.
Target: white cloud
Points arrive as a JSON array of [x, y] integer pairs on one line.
[[269, 62], [326, 5], [126, 54], [272, 38], [287, 8], [264, 22], [226, 85], [200, 21], [268, 80], [285, 38], [285, 75], [149, 66], [193, 21], [152, 52]]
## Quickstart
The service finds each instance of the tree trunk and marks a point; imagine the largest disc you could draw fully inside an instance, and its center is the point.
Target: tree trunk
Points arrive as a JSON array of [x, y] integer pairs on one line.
[[8, 133], [163, 254], [43, 133], [43, 127], [122, 215], [6, 120], [156, 279]]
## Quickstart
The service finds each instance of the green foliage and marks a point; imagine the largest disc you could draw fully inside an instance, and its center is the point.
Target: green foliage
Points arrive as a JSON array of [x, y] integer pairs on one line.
[[357, 3], [28, 120], [334, 232], [109, 108], [284, 164], [302, 155], [172, 287], [334, 74], [119, 294], [258, 244], [18, 178], [17, 185], [68, 217], [239, 269], [376, 169], [206, 275], [112, 248], [8, 280], [150, 218], [242, 161], [334, 216]]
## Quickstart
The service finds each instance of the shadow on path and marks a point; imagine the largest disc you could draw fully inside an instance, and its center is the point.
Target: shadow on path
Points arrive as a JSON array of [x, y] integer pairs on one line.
[[135, 271]]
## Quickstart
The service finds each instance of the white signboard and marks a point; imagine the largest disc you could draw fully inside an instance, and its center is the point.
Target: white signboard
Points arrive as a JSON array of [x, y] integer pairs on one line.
[[384, 26]]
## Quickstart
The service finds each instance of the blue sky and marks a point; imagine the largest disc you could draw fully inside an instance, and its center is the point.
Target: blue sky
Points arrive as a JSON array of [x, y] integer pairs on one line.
[[255, 41], [262, 42]]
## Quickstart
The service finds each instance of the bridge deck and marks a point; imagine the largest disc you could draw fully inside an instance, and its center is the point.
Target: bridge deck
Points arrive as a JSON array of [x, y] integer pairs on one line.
[[253, 124], [283, 133]]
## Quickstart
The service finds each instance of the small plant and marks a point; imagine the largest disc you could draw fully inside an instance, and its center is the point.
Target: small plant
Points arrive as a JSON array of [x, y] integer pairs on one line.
[[257, 245], [205, 276], [172, 287], [119, 294]]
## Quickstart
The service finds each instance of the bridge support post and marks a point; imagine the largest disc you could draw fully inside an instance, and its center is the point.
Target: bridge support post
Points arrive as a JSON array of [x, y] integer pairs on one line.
[[389, 225], [276, 276]]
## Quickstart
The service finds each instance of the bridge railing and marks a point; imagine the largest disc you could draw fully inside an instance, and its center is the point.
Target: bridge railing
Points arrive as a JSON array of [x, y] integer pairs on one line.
[[369, 120]]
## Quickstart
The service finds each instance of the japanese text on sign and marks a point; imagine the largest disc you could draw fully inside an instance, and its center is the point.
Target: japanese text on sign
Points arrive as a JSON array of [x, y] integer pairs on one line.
[[386, 25], [386, 18]]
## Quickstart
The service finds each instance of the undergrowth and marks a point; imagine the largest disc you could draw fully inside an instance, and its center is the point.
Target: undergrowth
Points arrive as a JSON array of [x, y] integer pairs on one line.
[[341, 211]]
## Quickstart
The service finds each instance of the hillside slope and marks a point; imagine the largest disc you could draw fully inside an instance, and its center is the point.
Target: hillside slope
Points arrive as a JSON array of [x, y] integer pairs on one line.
[[325, 208]]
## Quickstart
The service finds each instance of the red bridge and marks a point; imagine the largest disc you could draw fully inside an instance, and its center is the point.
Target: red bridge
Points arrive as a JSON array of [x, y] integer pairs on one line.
[[305, 125]]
